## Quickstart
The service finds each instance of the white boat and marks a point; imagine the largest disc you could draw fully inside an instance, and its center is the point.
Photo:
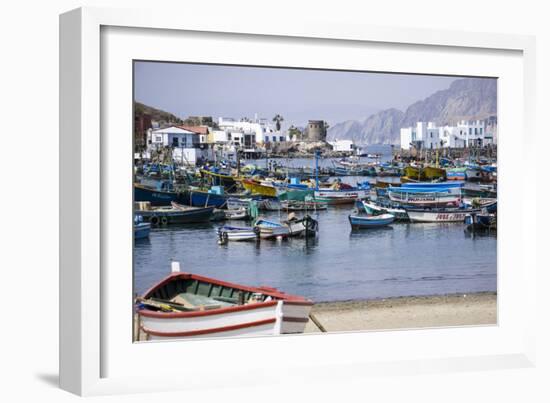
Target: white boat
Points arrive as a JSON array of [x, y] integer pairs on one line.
[[270, 229], [306, 226], [229, 233], [439, 215], [236, 214], [428, 199], [332, 197], [185, 306]]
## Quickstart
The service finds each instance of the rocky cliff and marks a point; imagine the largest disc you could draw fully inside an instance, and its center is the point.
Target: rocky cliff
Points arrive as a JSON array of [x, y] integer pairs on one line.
[[465, 99]]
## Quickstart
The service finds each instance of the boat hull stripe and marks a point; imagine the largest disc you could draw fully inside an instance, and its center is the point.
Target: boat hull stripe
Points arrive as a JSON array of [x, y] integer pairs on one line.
[[211, 330], [194, 314]]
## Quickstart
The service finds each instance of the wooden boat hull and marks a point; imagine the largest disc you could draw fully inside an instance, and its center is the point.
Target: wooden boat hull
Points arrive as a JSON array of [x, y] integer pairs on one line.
[[170, 215], [440, 216], [358, 222], [259, 189], [333, 197], [237, 234], [425, 199], [202, 198], [155, 197], [277, 313], [372, 208], [269, 229], [142, 230]]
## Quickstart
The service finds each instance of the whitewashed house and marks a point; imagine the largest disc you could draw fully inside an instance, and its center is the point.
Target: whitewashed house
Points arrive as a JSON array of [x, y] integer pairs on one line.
[[342, 145], [185, 144], [429, 136]]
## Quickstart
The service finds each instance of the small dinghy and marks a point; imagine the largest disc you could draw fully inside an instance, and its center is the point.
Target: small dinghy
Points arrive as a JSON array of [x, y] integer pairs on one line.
[[185, 305], [141, 229], [229, 233], [271, 229], [370, 221], [302, 227], [236, 214]]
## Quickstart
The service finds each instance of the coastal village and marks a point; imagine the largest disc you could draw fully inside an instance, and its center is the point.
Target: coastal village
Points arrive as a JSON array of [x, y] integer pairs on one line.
[[238, 176], [251, 226]]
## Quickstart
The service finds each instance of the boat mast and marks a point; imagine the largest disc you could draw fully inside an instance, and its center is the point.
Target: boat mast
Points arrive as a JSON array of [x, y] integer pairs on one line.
[[316, 169]]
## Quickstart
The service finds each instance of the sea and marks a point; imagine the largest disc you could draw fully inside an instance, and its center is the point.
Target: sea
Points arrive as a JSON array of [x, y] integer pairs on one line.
[[404, 259]]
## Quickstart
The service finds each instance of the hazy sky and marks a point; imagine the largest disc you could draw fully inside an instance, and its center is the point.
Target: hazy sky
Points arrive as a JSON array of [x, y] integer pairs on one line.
[[298, 95]]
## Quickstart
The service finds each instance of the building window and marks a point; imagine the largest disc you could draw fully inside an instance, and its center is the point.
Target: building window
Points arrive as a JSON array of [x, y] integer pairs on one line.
[[274, 139], [175, 142], [281, 138], [158, 139], [266, 139], [481, 130]]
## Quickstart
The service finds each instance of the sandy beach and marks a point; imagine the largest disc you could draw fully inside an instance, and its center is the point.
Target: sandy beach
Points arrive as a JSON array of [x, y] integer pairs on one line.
[[406, 312], [402, 313]]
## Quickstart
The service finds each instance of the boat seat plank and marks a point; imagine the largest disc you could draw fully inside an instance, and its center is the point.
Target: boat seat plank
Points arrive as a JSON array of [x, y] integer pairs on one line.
[[194, 301]]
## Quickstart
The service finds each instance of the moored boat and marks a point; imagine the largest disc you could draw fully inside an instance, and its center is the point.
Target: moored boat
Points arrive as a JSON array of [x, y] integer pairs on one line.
[[185, 305], [305, 226], [271, 229], [439, 215], [141, 229], [257, 188], [373, 208], [231, 233], [175, 214], [370, 221]]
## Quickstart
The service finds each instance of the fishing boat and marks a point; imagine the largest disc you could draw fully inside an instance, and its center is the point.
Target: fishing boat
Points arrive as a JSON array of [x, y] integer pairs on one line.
[[373, 208], [230, 233], [424, 173], [456, 174], [440, 215], [305, 226], [481, 222], [257, 188], [185, 306], [424, 198], [174, 214], [370, 221], [236, 214], [141, 229], [271, 229], [292, 205], [155, 195], [228, 182]]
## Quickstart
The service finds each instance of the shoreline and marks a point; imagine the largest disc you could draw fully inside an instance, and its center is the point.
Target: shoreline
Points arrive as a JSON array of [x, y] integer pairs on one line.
[[409, 312]]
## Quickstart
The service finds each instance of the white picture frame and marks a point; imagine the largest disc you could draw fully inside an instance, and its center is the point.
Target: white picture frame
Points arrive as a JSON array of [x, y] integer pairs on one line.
[[88, 307]]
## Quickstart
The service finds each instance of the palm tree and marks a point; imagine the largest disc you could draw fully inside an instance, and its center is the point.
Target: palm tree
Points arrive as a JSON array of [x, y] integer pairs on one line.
[[278, 119]]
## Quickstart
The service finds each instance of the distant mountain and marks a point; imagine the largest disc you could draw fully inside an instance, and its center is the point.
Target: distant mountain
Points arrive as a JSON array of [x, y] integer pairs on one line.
[[465, 99]]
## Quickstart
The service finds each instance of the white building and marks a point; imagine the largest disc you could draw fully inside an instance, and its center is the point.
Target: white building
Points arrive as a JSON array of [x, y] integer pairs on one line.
[[259, 131], [428, 135], [342, 145], [184, 144], [174, 137]]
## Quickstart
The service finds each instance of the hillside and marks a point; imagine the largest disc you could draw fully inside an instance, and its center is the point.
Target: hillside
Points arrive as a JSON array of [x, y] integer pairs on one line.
[[155, 114], [465, 99]]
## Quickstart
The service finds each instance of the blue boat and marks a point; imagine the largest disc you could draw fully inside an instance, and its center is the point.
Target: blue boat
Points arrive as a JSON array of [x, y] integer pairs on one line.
[[141, 229], [435, 185], [157, 197], [370, 221], [202, 198]]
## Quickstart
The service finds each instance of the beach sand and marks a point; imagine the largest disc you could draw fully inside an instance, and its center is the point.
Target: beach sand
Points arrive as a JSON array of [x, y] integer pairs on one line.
[[406, 312], [402, 313]]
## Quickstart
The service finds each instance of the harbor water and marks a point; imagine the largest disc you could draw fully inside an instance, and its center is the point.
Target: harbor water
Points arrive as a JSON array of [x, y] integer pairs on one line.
[[404, 259]]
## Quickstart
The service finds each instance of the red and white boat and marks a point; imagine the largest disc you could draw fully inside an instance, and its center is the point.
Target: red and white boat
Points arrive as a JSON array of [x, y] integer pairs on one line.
[[185, 305]]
